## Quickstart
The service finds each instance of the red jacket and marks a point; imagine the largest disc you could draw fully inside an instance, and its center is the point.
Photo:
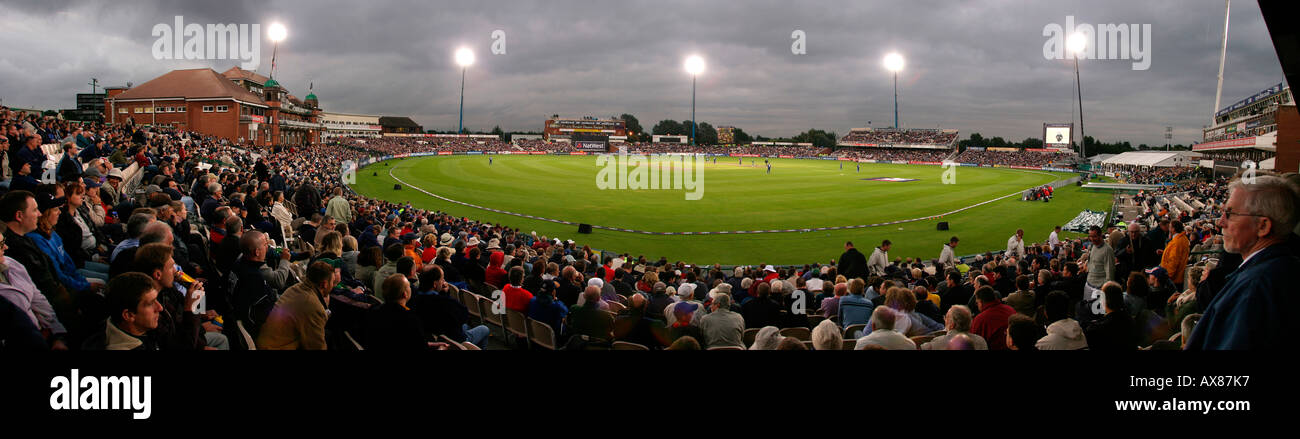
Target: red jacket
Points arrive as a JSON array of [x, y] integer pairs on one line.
[[494, 274], [517, 298], [991, 323]]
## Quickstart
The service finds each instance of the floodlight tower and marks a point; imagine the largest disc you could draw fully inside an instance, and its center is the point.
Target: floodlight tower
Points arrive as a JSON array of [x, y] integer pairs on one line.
[[464, 58], [894, 63], [694, 66]]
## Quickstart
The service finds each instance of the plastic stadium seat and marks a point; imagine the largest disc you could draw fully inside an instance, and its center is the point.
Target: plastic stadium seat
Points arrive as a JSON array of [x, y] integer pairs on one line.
[[725, 348], [517, 325], [543, 335], [848, 344], [355, 345], [748, 337], [628, 346], [852, 330], [490, 318], [243, 332]]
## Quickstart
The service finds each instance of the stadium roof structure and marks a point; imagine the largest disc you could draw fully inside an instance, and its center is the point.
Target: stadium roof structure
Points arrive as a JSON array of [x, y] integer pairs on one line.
[[1100, 158], [190, 84], [1159, 159], [248, 75]]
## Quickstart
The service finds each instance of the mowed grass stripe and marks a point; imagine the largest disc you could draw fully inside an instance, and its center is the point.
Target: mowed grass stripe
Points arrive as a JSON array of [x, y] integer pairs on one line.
[[981, 229]]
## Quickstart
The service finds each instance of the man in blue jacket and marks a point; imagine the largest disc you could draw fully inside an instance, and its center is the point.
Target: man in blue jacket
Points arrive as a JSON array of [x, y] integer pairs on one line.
[[1250, 311]]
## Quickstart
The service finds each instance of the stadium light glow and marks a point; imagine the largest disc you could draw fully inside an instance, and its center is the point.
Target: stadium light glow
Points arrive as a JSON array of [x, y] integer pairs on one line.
[[1076, 42], [894, 62], [464, 57], [277, 32], [694, 65]]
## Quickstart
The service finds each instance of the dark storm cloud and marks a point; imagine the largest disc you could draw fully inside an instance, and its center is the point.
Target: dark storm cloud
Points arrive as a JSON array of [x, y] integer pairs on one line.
[[974, 66]]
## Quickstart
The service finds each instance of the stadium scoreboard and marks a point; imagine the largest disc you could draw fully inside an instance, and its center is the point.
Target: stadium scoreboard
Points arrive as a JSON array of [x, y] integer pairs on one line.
[[1058, 135]]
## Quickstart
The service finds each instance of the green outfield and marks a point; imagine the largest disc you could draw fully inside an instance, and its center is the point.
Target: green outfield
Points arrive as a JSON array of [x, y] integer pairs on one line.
[[798, 194]]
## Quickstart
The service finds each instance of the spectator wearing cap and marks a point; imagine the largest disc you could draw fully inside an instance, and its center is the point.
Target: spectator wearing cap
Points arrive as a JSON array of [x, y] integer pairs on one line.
[[23, 179], [659, 301], [65, 270], [767, 339], [546, 309], [111, 193]]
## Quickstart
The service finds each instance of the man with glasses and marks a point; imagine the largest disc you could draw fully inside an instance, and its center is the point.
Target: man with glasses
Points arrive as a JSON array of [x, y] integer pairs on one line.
[[1250, 311]]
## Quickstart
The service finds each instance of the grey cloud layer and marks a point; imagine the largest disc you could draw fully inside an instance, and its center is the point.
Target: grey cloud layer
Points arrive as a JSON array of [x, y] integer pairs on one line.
[[975, 66]]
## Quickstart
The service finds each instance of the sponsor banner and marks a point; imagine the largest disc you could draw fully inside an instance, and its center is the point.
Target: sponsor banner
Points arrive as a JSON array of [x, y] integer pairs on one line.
[[444, 152], [968, 164], [899, 162], [1024, 167], [474, 153], [402, 156], [1207, 163], [504, 152], [743, 155], [537, 153], [1225, 144], [925, 163], [1264, 94], [1042, 149], [1004, 149], [976, 148], [785, 156], [578, 153]]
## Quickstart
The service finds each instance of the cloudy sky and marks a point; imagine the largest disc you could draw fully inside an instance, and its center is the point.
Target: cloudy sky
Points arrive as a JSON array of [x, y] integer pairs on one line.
[[975, 66]]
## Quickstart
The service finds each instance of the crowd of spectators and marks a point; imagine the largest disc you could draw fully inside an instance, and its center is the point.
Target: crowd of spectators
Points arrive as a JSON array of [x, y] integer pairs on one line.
[[893, 154], [1019, 158], [901, 137], [267, 242]]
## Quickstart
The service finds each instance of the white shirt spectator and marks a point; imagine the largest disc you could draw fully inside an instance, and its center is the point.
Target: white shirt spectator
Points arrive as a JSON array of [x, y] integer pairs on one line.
[[1054, 240], [947, 257], [878, 261], [1015, 246]]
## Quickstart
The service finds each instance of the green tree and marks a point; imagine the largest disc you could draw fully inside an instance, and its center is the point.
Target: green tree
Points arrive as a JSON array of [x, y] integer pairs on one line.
[[707, 135], [634, 130], [1032, 142], [741, 137], [667, 127]]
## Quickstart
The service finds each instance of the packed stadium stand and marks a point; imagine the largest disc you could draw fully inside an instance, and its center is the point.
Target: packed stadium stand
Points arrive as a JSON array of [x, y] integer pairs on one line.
[[263, 226]]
